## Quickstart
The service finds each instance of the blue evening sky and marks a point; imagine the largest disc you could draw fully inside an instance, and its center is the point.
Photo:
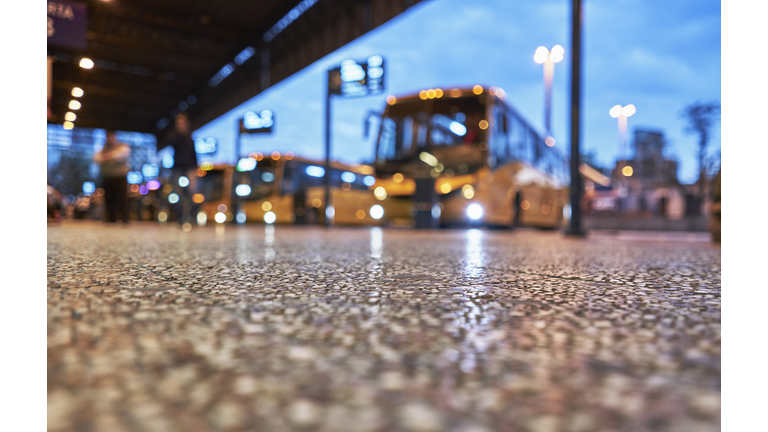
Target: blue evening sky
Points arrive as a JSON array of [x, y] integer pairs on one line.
[[658, 55]]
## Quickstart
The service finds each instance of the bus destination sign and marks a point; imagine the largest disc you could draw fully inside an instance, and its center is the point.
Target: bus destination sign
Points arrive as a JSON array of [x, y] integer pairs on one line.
[[355, 78]]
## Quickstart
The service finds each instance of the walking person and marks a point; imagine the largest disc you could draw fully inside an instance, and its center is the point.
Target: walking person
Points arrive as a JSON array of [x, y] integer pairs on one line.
[[184, 164], [114, 169]]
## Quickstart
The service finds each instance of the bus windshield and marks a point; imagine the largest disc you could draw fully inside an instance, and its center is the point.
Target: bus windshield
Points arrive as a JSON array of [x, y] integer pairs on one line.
[[261, 180], [447, 128]]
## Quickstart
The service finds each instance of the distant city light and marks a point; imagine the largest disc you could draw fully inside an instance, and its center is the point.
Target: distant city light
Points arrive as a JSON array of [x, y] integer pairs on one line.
[[183, 181], [240, 217], [70, 116], [173, 198], [270, 217], [550, 141], [474, 211], [220, 75], [478, 89], [483, 124], [315, 171], [380, 193], [89, 188], [266, 206], [246, 164], [77, 92], [220, 217], [557, 53], [267, 177], [167, 161], [150, 170], [369, 181], [143, 189], [244, 55], [445, 188], [202, 218], [264, 119], [455, 93], [289, 155], [275, 155], [391, 100], [288, 19], [541, 55], [198, 198], [242, 190], [628, 110], [615, 112], [376, 211], [135, 177], [68, 125], [458, 128], [428, 159], [398, 177], [162, 217], [627, 171], [74, 105], [222, 208], [330, 212], [153, 185], [348, 177], [86, 63]]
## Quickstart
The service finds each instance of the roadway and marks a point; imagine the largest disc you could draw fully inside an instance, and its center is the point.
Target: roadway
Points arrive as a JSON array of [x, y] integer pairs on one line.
[[262, 328]]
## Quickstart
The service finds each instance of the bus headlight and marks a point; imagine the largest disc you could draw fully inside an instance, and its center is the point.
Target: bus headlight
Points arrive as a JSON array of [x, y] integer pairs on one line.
[[376, 211], [475, 211], [270, 217]]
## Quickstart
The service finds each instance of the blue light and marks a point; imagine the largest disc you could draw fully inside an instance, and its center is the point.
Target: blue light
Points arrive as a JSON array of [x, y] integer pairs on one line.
[[348, 177], [242, 190], [458, 128], [205, 145], [369, 180], [375, 61], [183, 181], [267, 177], [262, 120], [315, 171], [150, 170], [351, 71], [89, 188], [134, 177], [246, 164], [173, 198], [244, 55], [240, 215], [287, 19], [167, 161]]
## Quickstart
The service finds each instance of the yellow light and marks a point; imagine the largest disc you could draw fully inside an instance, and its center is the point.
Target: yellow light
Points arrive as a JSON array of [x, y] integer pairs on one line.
[[556, 55], [380, 193], [431, 93], [541, 55], [289, 155], [187, 227], [259, 156], [445, 188], [627, 171], [266, 206], [68, 125], [439, 167], [70, 116], [220, 217], [206, 166], [477, 89], [468, 191], [360, 214], [628, 110], [455, 93], [545, 209], [615, 112], [316, 203], [198, 198], [275, 155], [423, 94], [391, 100], [77, 92], [74, 105], [525, 205], [202, 218], [398, 178], [200, 172], [162, 217], [86, 63], [550, 141], [483, 124], [439, 93], [427, 159]]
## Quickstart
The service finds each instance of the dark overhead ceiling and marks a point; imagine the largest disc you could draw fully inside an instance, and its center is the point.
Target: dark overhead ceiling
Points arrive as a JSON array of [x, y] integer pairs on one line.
[[152, 55]]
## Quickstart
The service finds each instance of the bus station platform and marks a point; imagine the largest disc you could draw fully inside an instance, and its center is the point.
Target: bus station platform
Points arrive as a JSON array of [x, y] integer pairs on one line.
[[284, 328]]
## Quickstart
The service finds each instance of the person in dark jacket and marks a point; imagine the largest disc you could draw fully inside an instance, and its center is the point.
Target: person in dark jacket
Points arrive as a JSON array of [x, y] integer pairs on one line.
[[184, 164], [113, 158]]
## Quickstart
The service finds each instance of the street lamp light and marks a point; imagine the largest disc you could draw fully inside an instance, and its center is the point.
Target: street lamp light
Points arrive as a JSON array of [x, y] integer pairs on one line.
[[622, 113], [549, 58]]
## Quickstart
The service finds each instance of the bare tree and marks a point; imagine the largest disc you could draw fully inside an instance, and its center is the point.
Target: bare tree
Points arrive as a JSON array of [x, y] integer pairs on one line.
[[700, 119]]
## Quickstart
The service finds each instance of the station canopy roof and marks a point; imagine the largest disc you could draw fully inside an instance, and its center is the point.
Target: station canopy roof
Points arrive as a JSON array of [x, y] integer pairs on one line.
[[154, 58]]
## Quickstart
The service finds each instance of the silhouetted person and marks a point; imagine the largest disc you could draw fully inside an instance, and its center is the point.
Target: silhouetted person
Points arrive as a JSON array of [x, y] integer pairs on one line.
[[114, 169], [184, 163]]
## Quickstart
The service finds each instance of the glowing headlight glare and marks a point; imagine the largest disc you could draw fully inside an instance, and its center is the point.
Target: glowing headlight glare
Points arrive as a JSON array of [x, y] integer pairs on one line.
[[474, 211], [270, 217], [220, 217], [376, 211], [202, 218]]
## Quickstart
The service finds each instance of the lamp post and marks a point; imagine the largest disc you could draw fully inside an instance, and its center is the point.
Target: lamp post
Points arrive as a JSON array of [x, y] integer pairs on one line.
[[623, 113], [548, 58]]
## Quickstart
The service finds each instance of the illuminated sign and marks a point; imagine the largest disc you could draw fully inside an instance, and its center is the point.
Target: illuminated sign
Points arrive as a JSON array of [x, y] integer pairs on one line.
[[355, 78], [261, 122], [67, 24], [205, 145]]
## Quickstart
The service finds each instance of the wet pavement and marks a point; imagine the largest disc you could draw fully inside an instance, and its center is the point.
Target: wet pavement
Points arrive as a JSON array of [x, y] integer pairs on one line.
[[262, 328]]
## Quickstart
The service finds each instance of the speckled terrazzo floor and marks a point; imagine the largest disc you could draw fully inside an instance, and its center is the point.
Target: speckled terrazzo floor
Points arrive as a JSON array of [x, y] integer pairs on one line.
[[257, 328]]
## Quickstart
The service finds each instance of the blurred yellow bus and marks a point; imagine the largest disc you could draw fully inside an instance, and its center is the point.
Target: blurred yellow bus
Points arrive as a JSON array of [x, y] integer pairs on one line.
[[486, 164], [284, 189]]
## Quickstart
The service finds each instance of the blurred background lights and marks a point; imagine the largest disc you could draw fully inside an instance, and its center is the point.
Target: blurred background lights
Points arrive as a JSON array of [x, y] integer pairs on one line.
[[477, 89], [70, 116], [267, 177], [74, 105], [315, 171], [77, 92], [376, 211], [198, 198], [173, 198], [266, 206], [380, 193], [167, 161], [270, 217], [202, 218], [330, 212], [627, 171], [541, 55], [436, 211], [550, 141], [68, 125], [150, 170], [222, 208], [153, 185], [242, 190], [391, 100], [369, 181], [86, 63], [89, 188], [289, 155], [134, 177], [143, 189], [162, 217], [474, 211], [240, 217], [183, 181], [220, 217], [458, 128], [628, 110], [348, 177], [246, 164]]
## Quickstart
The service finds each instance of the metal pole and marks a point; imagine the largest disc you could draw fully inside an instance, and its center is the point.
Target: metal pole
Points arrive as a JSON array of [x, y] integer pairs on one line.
[[327, 149], [575, 228]]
